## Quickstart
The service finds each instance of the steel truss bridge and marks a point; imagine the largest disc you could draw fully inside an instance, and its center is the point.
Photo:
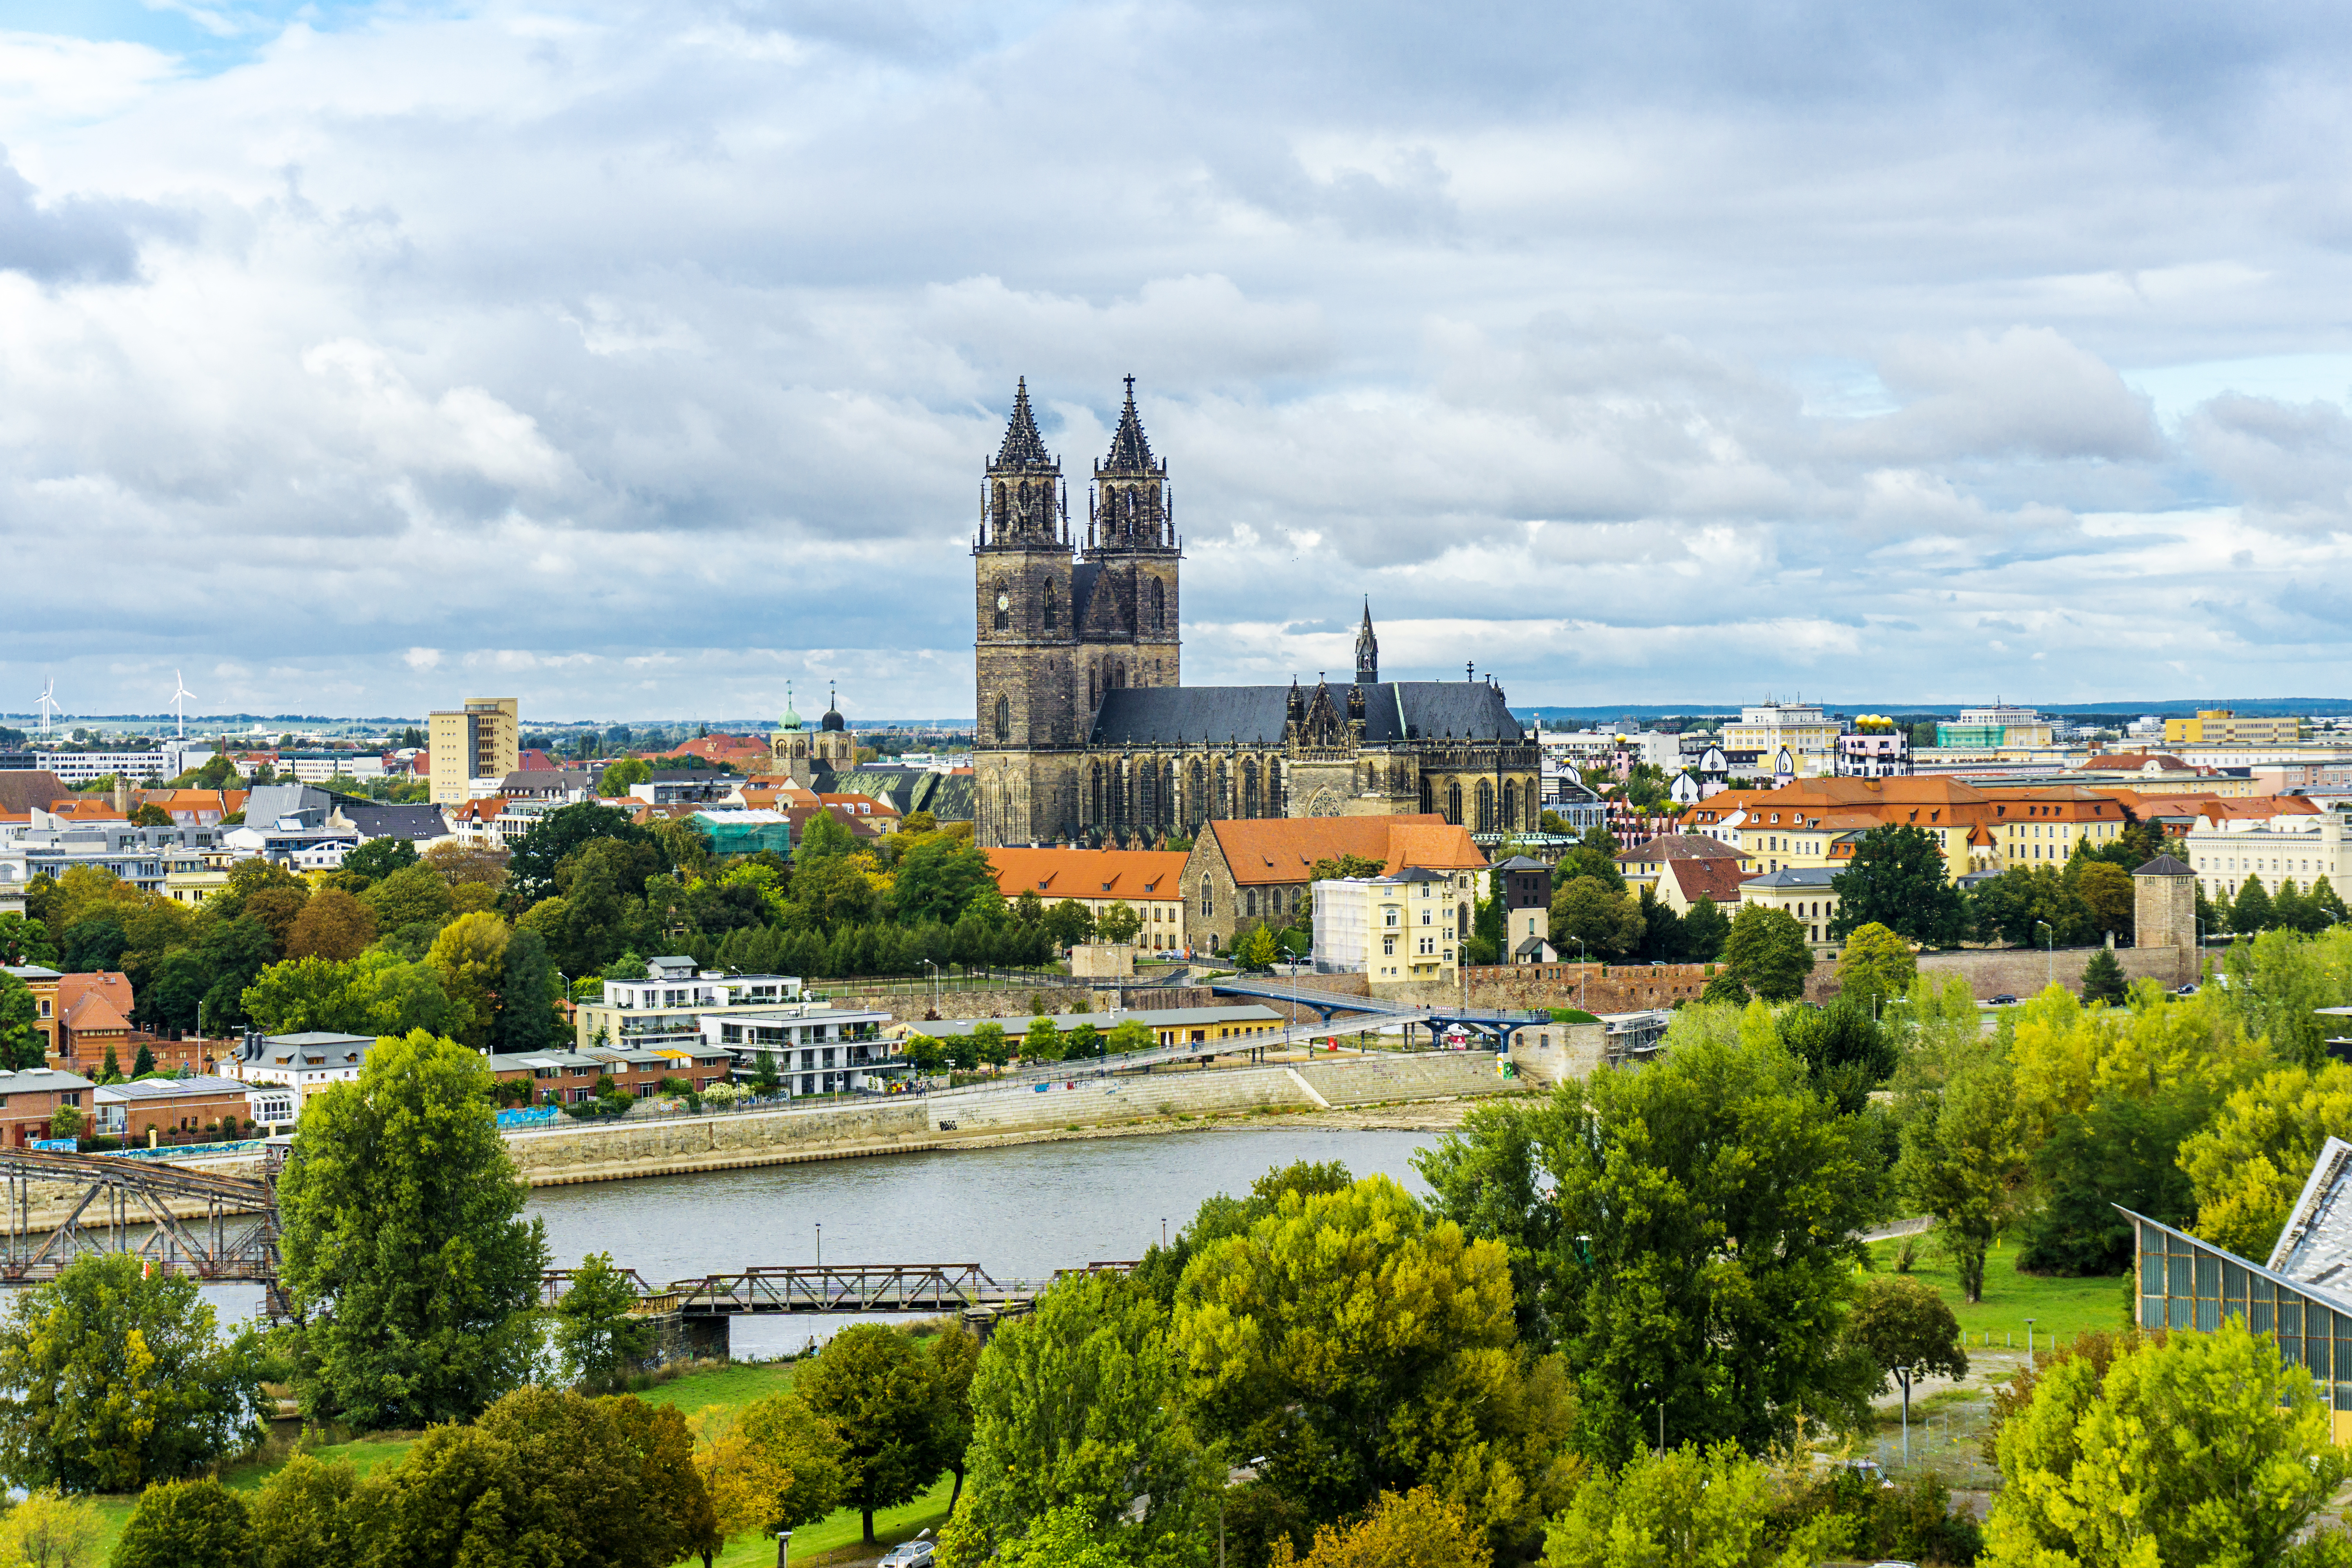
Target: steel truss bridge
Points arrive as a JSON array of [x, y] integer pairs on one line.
[[117, 1205], [1497, 1024], [827, 1288]]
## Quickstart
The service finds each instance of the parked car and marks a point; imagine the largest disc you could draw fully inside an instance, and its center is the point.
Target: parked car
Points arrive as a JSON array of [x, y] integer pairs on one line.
[[2187, 990], [2004, 1000], [910, 1554]]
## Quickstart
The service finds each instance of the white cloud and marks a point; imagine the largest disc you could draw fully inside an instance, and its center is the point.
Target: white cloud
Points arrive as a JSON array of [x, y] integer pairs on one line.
[[595, 345]]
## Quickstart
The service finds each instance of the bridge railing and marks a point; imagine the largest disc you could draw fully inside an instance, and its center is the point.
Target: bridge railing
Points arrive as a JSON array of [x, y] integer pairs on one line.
[[832, 1288]]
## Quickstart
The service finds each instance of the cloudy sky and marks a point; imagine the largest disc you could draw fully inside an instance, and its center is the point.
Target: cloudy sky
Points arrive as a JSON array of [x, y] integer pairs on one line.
[[636, 358]]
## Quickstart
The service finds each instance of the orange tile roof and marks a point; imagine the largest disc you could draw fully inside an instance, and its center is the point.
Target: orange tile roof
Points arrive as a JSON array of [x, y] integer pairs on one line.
[[1282, 849], [111, 989], [1054, 874], [87, 810]]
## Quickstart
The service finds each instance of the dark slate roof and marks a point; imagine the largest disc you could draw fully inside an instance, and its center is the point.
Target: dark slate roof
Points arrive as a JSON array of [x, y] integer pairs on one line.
[[1022, 447], [947, 796], [1129, 452], [381, 819], [1254, 715], [2164, 865]]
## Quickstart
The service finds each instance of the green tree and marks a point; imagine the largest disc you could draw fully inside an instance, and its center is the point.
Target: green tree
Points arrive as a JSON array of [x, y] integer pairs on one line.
[[1846, 1051], [1070, 921], [1908, 1331], [1708, 1507], [939, 877], [774, 1465], [1342, 1333], [2103, 979], [532, 865], [620, 775], [379, 858], [332, 924], [1705, 930], [2252, 911], [1345, 866], [527, 1019], [1898, 879], [1418, 1529], [187, 1524], [469, 959], [1609, 921], [2107, 890], [1876, 964], [1080, 1407], [410, 895], [955, 1361], [673, 1517], [1131, 1035], [1256, 949], [1964, 1162], [51, 1531], [1117, 924], [303, 1518], [1766, 952], [2249, 1165], [2277, 982], [1686, 1229], [875, 1388], [143, 1062], [825, 838], [411, 1272], [25, 941], [2124, 1149], [115, 1378], [2204, 1448], [597, 1332], [1595, 856], [20, 1041], [1043, 1042]]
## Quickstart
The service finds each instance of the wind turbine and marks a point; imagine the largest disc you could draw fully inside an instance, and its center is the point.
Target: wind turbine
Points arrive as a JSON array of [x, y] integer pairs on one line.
[[180, 695], [48, 685]]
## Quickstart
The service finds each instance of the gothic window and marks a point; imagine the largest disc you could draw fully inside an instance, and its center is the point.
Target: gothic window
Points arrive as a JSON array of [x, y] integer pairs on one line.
[[1003, 606], [1158, 605], [1249, 902], [1020, 516], [1294, 901], [1485, 806], [1428, 804], [1220, 799], [1196, 795], [1000, 509], [1510, 804], [1208, 903], [1095, 794], [1004, 718], [1053, 614], [1146, 796], [1273, 788], [1249, 789], [1454, 803]]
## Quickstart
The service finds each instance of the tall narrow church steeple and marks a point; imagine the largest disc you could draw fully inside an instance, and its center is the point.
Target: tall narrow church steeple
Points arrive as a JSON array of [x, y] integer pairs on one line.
[[1130, 508], [1368, 651], [1020, 499]]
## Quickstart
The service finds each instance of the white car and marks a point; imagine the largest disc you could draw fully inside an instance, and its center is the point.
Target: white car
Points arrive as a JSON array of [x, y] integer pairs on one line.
[[910, 1554]]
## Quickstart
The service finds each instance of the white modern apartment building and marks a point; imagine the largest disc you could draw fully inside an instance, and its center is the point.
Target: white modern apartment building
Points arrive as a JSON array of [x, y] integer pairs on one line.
[[666, 1007], [816, 1049]]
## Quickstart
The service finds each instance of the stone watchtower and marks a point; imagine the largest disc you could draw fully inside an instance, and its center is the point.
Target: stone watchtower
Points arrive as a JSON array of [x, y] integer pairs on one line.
[[2164, 911], [1026, 645]]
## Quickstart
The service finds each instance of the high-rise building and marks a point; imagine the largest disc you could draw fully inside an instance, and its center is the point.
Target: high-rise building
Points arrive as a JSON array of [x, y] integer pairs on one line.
[[483, 740]]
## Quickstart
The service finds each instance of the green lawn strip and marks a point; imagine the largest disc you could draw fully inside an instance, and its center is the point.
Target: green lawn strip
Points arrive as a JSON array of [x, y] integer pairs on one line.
[[729, 1387], [2057, 1305], [844, 1531]]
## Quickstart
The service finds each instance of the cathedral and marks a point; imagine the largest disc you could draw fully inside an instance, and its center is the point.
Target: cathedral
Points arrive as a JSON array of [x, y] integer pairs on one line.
[[1086, 734]]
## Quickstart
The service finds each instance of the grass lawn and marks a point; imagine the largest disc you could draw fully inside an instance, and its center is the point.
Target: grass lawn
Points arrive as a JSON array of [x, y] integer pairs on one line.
[[2060, 1306]]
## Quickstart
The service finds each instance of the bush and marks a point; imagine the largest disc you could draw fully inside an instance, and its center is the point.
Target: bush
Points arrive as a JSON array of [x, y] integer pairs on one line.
[[187, 1524]]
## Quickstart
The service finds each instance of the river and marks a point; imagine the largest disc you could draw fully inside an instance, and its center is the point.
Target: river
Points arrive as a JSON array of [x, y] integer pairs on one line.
[[1019, 1212]]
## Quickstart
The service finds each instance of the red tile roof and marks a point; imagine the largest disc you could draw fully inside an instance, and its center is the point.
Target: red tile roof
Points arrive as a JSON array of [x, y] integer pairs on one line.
[[1054, 874], [1283, 849]]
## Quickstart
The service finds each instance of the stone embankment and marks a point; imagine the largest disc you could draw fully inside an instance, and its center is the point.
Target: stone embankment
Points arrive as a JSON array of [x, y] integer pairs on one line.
[[1343, 1086]]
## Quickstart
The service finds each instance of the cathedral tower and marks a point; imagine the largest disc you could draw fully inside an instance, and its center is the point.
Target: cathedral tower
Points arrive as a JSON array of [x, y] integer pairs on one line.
[[1368, 651], [1029, 689], [1129, 569]]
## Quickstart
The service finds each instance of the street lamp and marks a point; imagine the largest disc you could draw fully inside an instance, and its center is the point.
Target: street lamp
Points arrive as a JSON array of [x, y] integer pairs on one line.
[[820, 1244], [783, 1549], [935, 986]]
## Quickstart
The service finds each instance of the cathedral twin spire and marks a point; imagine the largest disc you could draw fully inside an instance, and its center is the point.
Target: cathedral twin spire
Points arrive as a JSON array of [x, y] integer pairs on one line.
[[1129, 509]]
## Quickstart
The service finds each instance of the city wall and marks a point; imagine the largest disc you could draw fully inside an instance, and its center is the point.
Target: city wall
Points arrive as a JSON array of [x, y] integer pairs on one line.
[[2022, 972]]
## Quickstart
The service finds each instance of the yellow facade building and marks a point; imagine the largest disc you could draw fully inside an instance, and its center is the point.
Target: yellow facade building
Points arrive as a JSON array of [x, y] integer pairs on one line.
[[483, 740], [2223, 726]]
